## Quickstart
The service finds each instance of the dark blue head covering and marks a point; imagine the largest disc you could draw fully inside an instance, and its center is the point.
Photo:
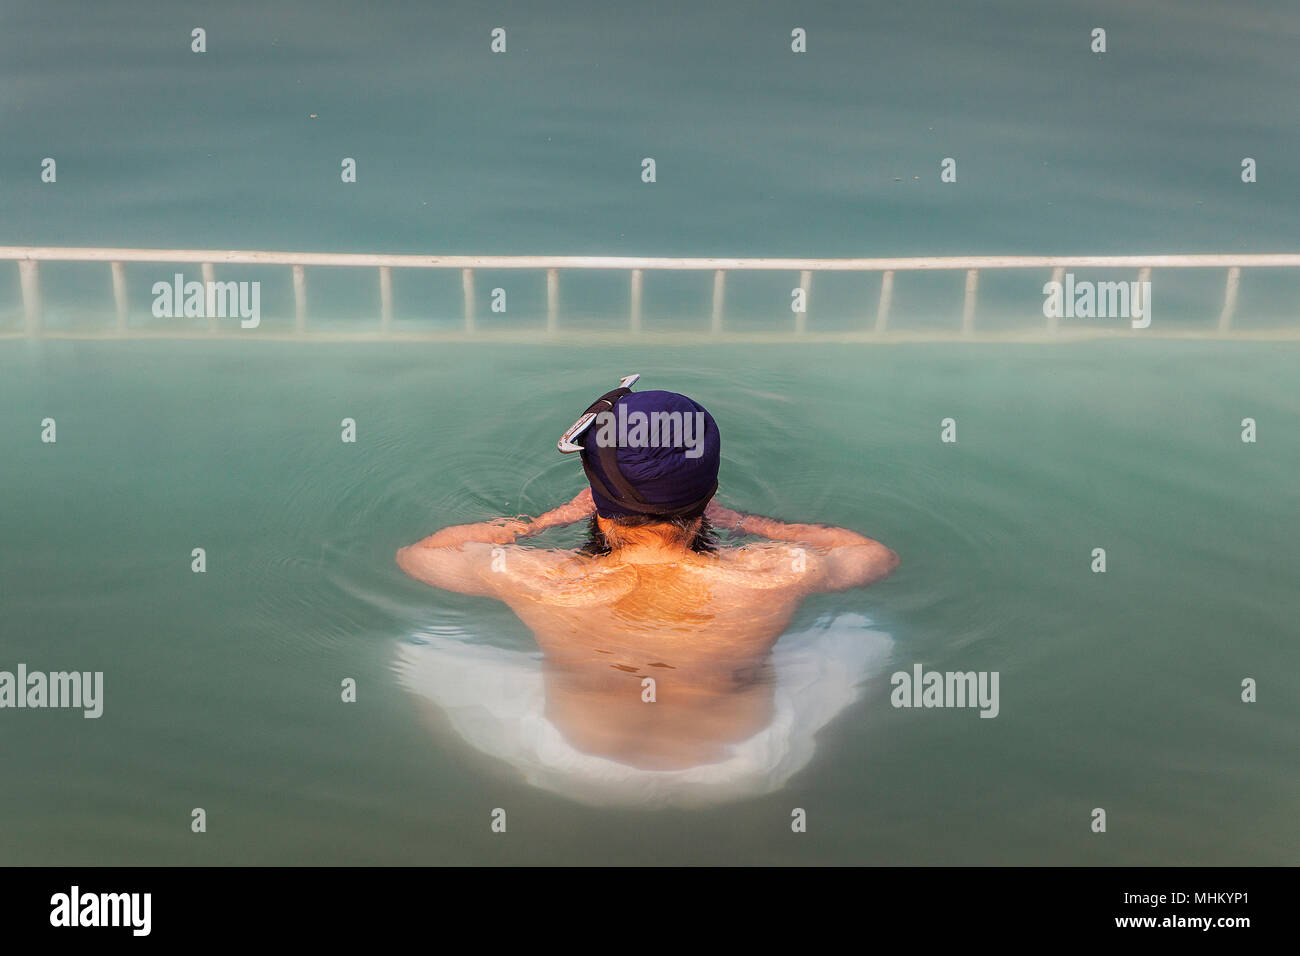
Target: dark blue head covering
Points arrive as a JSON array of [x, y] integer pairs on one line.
[[663, 476]]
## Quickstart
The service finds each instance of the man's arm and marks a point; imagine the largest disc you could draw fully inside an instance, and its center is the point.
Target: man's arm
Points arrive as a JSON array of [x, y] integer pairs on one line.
[[448, 559], [843, 559]]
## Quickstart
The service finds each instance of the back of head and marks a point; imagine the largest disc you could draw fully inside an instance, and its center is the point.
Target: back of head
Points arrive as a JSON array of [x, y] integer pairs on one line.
[[652, 454]]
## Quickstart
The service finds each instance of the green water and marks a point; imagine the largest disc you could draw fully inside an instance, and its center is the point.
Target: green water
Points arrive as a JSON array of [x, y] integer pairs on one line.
[[1118, 690], [760, 151]]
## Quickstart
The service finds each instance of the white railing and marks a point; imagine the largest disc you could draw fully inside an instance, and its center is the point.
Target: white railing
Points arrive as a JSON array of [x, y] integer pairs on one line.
[[29, 257]]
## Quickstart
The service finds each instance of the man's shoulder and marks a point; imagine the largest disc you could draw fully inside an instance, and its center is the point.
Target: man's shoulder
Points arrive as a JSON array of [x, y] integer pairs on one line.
[[765, 565], [576, 578], [556, 576], [521, 559]]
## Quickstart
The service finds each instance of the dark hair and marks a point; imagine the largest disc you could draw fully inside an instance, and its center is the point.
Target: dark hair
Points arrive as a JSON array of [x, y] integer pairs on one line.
[[597, 544]]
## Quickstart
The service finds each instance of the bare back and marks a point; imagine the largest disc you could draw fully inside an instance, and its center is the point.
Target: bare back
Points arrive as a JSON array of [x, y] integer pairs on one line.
[[690, 633], [703, 609]]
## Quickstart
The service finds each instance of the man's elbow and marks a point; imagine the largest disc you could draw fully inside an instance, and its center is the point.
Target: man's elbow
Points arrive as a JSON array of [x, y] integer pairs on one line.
[[859, 567], [881, 565], [404, 558]]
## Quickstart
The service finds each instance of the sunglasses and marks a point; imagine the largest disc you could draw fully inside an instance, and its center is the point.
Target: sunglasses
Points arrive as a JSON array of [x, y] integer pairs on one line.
[[602, 404]]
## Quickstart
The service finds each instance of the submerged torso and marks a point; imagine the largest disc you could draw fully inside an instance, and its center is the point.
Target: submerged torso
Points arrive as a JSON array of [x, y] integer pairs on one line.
[[702, 628]]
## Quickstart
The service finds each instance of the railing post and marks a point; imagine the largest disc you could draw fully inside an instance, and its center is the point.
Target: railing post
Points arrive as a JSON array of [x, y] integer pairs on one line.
[[1054, 321], [968, 306], [299, 299], [119, 295], [30, 278], [719, 292], [1229, 300], [634, 319], [801, 318], [385, 299], [467, 287], [552, 299], [886, 298], [209, 276]]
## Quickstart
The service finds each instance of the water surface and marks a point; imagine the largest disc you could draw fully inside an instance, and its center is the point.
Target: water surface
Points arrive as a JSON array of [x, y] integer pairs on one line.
[[222, 689]]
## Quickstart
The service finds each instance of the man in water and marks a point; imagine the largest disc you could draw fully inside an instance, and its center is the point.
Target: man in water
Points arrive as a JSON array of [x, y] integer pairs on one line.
[[651, 596]]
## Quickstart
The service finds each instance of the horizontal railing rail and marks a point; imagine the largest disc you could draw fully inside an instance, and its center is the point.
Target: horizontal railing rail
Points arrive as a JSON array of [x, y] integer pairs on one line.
[[28, 258]]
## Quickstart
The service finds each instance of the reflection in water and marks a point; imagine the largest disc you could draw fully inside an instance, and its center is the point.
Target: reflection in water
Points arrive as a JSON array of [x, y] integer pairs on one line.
[[569, 725]]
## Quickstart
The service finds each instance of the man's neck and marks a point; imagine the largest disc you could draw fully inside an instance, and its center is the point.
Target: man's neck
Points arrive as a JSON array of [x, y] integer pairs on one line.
[[650, 554]]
